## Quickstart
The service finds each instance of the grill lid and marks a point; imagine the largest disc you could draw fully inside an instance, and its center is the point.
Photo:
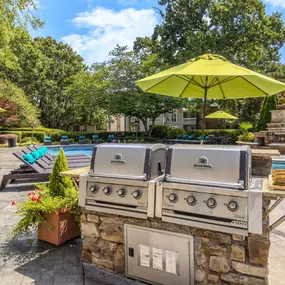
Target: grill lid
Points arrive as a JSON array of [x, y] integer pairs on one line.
[[221, 166], [128, 161]]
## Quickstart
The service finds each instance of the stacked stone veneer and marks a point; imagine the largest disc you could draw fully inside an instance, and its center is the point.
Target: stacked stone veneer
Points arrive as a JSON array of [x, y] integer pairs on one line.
[[219, 258]]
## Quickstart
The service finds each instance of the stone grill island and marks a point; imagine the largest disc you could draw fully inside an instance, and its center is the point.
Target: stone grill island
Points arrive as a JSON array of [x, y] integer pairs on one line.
[[123, 238]]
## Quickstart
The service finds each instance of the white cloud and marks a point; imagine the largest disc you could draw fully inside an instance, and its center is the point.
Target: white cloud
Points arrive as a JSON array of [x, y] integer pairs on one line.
[[127, 2], [276, 3], [106, 28]]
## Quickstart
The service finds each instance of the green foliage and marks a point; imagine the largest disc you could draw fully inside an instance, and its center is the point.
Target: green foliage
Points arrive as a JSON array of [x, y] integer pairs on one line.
[[124, 97], [57, 183], [246, 137], [174, 132], [269, 104], [89, 90], [14, 14], [39, 203], [19, 111], [160, 131], [245, 126], [29, 140], [46, 70]]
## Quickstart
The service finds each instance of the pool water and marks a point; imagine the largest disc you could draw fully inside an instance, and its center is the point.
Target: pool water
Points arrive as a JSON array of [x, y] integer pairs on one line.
[[69, 150]]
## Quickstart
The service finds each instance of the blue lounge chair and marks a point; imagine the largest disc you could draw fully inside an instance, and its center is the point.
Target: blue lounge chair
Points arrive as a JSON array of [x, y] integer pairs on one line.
[[96, 139], [82, 140], [112, 139], [47, 140], [64, 140]]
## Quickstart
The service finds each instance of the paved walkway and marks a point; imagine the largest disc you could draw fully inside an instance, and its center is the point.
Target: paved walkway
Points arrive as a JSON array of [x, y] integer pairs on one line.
[[33, 262]]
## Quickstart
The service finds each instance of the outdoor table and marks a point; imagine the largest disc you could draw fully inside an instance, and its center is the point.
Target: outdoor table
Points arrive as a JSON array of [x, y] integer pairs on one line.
[[74, 174], [277, 196]]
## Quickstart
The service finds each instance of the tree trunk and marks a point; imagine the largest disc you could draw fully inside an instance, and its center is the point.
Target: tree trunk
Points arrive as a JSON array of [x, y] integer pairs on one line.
[[144, 121], [151, 127]]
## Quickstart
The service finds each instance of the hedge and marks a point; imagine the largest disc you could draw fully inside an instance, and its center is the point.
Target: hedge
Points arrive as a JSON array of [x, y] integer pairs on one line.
[[159, 132]]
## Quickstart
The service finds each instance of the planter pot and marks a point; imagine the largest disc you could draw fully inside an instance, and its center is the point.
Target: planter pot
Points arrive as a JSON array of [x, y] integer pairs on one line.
[[12, 142], [61, 227]]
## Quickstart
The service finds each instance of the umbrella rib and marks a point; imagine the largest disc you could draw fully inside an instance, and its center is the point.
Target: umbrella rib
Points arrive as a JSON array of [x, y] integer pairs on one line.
[[224, 81], [179, 76], [186, 87], [221, 88], [202, 80], [158, 83], [212, 82], [254, 85]]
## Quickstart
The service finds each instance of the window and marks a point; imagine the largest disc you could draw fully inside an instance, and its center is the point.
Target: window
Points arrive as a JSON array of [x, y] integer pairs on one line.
[[133, 119], [174, 116], [188, 115], [133, 128]]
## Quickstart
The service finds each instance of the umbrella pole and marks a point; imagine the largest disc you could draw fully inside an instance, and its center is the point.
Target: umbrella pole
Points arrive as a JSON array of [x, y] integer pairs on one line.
[[204, 114]]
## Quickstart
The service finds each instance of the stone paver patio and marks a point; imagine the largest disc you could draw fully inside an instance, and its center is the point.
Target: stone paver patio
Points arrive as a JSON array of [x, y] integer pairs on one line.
[[25, 262]]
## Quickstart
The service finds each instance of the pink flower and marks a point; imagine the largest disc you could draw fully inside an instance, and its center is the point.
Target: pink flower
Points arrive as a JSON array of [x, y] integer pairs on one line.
[[13, 203]]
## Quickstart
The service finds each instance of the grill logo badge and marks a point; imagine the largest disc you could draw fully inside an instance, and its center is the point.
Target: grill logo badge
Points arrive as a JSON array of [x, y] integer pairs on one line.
[[118, 159], [203, 163]]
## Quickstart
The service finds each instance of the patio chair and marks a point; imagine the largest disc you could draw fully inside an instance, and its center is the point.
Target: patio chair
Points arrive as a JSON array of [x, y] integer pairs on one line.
[[212, 139], [36, 169], [70, 158], [224, 140], [47, 141], [82, 140], [96, 139], [64, 140], [112, 139], [41, 161]]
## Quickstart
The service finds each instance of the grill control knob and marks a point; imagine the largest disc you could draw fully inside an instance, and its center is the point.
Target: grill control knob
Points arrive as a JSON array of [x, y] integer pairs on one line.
[[122, 192], [191, 200], [233, 206], [211, 203], [94, 188], [107, 190], [137, 194], [173, 198]]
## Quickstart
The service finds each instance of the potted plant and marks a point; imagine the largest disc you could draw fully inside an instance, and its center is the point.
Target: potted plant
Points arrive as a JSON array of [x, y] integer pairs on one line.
[[246, 137], [52, 209]]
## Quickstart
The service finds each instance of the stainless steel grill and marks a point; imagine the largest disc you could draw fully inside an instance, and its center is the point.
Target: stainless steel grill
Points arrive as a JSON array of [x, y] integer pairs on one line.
[[211, 187], [123, 179]]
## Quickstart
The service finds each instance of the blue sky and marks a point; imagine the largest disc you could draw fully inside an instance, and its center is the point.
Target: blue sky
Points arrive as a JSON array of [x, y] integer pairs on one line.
[[94, 27]]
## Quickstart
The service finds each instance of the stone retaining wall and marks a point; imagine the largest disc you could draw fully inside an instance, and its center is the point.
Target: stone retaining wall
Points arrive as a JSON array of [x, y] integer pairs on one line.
[[219, 258]]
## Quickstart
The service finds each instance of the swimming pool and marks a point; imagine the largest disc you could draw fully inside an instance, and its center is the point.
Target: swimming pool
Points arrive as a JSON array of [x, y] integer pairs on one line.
[[69, 150]]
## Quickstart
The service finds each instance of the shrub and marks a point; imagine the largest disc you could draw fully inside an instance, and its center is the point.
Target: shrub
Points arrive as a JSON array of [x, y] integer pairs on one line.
[[174, 132], [57, 183], [160, 131], [71, 140], [246, 137], [150, 139], [4, 138], [88, 140], [29, 140]]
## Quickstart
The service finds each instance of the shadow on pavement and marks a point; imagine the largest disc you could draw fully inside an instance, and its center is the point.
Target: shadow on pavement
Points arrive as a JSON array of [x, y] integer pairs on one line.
[[40, 263]]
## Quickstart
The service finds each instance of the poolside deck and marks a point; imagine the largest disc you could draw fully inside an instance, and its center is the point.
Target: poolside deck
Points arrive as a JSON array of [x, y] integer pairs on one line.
[[23, 262]]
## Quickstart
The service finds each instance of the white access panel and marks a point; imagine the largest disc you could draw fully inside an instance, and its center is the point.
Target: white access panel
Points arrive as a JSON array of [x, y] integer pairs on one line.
[[159, 257]]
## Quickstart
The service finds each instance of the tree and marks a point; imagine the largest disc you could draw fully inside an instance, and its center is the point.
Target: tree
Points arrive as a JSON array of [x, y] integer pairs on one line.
[[88, 89], [19, 111], [58, 184], [17, 13], [269, 104], [46, 70], [239, 30], [124, 97]]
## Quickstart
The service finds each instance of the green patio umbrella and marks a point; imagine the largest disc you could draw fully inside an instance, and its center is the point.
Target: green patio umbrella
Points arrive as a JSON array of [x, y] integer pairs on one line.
[[210, 76], [2, 110], [221, 115]]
